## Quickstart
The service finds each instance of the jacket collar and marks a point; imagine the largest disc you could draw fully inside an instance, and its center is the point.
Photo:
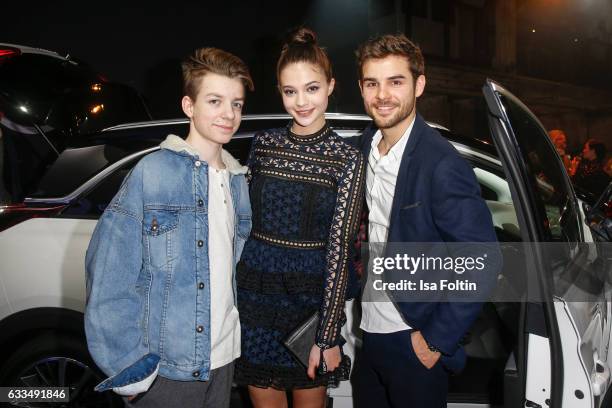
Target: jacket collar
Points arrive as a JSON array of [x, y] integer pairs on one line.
[[177, 144], [413, 140]]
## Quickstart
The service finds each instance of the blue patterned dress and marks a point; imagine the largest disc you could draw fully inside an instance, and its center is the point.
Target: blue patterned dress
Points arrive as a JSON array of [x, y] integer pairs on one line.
[[306, 194]]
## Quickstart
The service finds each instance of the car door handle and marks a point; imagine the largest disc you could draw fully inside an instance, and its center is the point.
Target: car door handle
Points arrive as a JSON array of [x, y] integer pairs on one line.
[[600, 378]]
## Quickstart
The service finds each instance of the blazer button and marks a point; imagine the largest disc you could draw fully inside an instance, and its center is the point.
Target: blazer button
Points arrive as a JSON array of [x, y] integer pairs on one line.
[[199, 329], [200, 243], [201, 285], [196, 374], [200, 202], [198, 163]]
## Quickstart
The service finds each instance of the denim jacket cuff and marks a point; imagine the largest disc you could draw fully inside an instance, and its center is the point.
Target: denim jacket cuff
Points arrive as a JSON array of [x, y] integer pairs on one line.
[[135, 373], [137, 387]]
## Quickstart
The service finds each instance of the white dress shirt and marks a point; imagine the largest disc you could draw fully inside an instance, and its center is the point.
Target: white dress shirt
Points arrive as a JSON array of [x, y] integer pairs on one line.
[[379, 314]]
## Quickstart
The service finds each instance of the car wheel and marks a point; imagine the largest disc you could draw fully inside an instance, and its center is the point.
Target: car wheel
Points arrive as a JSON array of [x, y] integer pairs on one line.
[[57, 360]]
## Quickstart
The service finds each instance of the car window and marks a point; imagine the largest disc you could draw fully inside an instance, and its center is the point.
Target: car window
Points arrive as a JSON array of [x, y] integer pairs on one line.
[[555, 206], [75, 166], [93, 203], [549, 184], [25, 155]]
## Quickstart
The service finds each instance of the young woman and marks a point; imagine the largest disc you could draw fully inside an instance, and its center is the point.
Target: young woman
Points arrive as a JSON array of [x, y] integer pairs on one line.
[[306, 189]]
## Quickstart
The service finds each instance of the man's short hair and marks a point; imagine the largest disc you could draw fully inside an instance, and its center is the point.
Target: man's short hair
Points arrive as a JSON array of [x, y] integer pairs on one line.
[[389, 44], [212, 60], [599, 147]]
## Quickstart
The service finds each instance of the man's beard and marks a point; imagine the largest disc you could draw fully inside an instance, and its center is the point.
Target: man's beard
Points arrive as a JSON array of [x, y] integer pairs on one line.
[[388, 122]]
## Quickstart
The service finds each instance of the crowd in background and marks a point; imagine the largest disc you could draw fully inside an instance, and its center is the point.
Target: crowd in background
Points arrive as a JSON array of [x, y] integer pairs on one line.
[[591, 169]]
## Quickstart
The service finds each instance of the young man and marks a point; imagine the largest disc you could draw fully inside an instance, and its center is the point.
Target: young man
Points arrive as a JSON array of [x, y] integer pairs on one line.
[[418, 189], [161, 319], [590, 172]]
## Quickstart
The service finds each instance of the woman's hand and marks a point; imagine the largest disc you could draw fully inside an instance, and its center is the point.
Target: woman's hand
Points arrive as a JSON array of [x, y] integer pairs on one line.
[[332, 358]]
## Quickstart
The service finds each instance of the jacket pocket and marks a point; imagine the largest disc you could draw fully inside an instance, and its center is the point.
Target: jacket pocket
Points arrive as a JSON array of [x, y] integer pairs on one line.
[[411, 206], [159, 232]]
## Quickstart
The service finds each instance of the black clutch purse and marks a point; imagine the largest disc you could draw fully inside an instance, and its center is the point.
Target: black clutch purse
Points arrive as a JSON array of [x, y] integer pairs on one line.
[[300, 341]]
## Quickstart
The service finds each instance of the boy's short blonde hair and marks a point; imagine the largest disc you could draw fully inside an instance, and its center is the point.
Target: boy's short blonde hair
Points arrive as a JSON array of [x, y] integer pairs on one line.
[[208, 59]]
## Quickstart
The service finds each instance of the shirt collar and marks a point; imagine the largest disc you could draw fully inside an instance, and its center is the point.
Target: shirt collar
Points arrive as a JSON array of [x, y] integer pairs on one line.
[[178, 145], [396, 152]]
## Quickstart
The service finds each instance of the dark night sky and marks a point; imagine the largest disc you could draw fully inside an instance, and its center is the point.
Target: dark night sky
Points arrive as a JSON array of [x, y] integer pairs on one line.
[[141, 43]]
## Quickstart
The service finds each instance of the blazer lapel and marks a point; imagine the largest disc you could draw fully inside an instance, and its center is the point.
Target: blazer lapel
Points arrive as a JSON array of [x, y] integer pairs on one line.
[[365, 142], [417, 133]]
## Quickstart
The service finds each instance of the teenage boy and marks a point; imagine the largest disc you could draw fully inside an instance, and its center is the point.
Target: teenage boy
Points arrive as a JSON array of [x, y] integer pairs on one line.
[[161, 319], [418, 189]]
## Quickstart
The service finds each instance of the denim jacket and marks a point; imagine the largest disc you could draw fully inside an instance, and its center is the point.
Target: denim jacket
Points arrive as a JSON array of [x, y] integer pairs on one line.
[[147, 267]]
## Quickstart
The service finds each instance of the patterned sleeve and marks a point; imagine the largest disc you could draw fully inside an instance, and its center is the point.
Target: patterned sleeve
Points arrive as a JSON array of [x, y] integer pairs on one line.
[[343, 229], [250, 163]]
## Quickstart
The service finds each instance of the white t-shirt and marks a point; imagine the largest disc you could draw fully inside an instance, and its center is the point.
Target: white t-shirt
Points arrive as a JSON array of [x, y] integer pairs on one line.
[[224, 321]]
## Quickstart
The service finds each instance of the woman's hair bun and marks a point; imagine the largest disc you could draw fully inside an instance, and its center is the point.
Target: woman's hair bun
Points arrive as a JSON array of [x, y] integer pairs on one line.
[[302, 36], [301, 46]]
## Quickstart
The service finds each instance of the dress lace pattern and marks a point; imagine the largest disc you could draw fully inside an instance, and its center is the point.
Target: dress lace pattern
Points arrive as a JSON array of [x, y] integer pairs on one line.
[[306, 198]]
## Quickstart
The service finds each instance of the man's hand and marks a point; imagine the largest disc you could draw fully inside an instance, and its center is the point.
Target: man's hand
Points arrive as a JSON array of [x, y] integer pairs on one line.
[[427, 357], [130, 398]]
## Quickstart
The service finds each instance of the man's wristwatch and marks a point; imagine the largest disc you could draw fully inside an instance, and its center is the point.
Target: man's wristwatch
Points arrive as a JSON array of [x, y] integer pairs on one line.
[[432, 348]]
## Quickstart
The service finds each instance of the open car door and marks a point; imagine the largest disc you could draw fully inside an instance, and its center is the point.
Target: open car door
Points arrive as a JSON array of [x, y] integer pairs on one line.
[[563, 353]]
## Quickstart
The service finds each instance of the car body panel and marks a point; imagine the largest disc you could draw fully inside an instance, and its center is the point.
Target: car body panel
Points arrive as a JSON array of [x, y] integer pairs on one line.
[[5, 306], [52, 273], [573, 356], [538, 370], [32, 50]]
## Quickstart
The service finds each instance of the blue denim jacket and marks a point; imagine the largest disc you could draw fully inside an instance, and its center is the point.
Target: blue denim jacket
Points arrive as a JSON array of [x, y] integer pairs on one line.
[[148, 298]]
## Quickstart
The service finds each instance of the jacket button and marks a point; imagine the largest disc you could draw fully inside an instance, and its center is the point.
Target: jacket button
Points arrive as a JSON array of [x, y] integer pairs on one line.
[[201, 285], [200, 202], [200, 243], [199, 329], [198, 163], [196, 374]]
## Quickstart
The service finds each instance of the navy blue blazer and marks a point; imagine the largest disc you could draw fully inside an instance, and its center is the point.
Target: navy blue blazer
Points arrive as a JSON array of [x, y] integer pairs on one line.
[[437, 199]]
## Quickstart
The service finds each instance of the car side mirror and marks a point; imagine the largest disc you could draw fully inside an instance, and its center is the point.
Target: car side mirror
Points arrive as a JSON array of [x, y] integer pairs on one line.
[[599, 217]]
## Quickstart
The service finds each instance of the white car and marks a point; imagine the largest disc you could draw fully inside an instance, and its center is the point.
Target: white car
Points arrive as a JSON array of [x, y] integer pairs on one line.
[[548, 353]]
